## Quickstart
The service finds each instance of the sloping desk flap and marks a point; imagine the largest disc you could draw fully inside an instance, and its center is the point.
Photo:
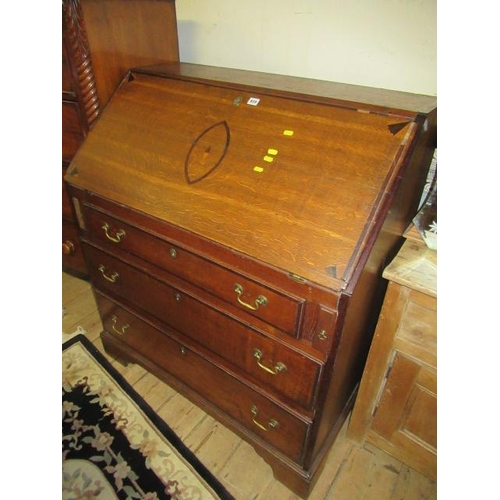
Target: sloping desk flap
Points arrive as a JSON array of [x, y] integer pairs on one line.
[[296, 184]]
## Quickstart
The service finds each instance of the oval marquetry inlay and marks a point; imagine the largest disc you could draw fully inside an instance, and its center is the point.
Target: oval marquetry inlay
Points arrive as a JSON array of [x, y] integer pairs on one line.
[[207, 152]]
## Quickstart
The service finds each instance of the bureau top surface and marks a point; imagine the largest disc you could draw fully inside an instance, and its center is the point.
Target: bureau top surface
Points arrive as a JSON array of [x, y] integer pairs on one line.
[[296, 184]]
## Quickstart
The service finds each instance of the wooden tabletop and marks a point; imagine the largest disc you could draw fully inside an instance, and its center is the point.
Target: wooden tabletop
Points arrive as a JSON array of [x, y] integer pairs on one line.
[[415, 266]]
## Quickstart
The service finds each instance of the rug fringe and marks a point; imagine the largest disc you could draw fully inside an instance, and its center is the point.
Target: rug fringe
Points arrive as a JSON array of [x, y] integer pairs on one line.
[[79, 331]]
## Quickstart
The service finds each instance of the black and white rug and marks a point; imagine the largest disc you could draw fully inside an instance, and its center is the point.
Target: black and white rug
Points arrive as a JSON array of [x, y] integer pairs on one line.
[[114, 444]]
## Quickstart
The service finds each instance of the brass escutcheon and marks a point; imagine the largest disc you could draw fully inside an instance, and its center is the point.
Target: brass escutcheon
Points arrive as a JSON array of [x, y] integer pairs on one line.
[[322, 335]]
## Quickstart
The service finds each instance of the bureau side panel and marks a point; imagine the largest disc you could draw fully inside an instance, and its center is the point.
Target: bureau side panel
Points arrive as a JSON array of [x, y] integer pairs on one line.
[[361, 304]]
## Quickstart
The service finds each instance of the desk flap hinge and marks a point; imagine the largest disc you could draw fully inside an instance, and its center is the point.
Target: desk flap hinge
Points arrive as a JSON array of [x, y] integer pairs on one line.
[[297, 278]]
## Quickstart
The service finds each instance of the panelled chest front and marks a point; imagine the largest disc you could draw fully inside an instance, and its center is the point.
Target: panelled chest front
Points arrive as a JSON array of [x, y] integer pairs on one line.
[[235, 235]]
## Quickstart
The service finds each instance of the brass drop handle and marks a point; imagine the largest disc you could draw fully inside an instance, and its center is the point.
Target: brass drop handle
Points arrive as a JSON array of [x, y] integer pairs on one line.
[[272, 424], [121, 331], [113, 277], [68, 248], [259, 301], [280, 367], [118, 234]]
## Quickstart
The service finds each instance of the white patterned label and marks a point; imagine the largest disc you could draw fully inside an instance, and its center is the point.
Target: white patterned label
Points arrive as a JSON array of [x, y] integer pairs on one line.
[[253, 101]]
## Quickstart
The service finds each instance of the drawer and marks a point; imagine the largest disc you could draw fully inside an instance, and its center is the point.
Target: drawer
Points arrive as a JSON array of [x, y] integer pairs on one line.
[[284, 372], [271, 422], [72, 255], [67, 209], [280, 310], [72, 130]]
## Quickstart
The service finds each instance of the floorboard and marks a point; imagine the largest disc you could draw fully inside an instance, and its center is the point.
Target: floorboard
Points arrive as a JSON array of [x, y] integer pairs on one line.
[[350, 472]]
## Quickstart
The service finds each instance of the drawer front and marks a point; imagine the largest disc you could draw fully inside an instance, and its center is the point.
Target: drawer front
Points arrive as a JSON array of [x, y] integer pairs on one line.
[[67, 210], [72, 255], [277, 309], [272, 423], [283, 371], [72, 130]]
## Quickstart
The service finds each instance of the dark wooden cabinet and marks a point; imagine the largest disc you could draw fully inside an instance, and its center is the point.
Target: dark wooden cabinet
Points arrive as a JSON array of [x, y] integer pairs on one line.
[[236, 233], [101, 41]]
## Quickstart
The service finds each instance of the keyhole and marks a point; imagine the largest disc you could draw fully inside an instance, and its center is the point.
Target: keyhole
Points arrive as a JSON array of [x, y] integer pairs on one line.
[[206, 153]]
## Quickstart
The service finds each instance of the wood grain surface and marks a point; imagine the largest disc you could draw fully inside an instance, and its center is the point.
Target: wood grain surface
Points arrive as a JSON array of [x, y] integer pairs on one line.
[[320, 171]]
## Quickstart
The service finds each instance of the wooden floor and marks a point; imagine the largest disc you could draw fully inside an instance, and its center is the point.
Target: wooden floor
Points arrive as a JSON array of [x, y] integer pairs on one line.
[[350, 473]]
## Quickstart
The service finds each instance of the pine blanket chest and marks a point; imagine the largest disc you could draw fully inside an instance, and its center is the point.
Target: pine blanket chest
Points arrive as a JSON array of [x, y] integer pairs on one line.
[[235, 226]]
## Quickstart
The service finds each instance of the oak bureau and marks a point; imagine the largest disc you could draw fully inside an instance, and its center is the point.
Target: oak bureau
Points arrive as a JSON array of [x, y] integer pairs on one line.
[[235, 226]]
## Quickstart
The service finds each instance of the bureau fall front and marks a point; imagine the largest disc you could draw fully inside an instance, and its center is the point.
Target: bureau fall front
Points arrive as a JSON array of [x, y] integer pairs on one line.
[[235, 226]]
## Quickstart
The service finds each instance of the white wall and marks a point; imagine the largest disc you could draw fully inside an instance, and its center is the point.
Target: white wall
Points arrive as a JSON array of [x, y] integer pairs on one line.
[[378, 43]]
